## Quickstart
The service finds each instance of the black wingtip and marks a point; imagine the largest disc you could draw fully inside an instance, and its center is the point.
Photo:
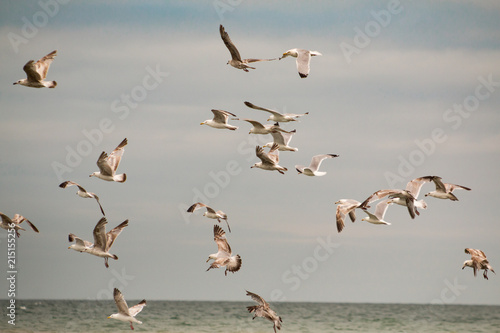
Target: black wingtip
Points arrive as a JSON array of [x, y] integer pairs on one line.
[[303, 76]]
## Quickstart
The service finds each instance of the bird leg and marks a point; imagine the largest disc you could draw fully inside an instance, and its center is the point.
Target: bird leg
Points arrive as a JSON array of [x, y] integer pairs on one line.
[[484, 274]]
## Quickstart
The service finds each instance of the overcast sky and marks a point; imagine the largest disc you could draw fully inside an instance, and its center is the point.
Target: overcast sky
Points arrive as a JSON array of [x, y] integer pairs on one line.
[[403, 89]]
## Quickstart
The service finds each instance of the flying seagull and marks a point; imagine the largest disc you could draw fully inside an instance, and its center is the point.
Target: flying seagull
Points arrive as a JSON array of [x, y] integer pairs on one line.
[[275, 115], [444, 191], [264, 310], [6, 223], [108, 164], [236, 60], [402, 195], [303, 59], [102, 241], [210, 213], [282, 140], [37, 72], [258, 128], [224, 256], [413, 186], [378, 216], [269, 161], [478, 261], [346, 207], [82, 193], [124, 312], [220, 120], [312, 169]]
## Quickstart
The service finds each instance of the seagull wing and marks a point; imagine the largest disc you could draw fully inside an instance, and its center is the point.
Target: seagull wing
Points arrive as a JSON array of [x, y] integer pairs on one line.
[[221, 116], [381, 208], [303, 60], [134, 310], [116, 155], [21, 219], [255, 123], [452, 187], [100, 234], [256, 60], [220, 239], [316, 160], [121, 304], [439, 184], [264, 157], [415, 185], [475, 252], [258, 299], [79, 241], [274, 153], [253, 106], [42, 65], [31, 72], [196, 206], [235, 54], [112, 234]]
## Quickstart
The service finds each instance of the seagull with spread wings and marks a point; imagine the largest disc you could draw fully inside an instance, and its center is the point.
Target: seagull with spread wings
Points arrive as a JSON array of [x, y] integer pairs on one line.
[[312, 169], [303, 60], [478, 262], [282, 140], [346, 207], [36, 72], [124, 312], [264, 310], [236, 60], [82, 192], [16, 222], [108, 164], [220, 120], [269, 161], [378, 216], [102, 241], [210, 213], [224, 255], [444, 190], [275, 115], [258, 128]]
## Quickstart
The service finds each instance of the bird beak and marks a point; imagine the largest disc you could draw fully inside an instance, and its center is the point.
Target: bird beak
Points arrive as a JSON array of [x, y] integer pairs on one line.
[[208, 260], [14, 83], [69, 247], [109, 317], [201, 123]]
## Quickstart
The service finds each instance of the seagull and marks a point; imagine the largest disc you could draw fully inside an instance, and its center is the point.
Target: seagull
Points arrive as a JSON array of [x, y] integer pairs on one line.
[[220, 120], [124, 312], [108, 164], [82, 193], [443, 191], [414, 187], [102, 241], [303, 59], [346, 206], [378, 216], [14, 223], [402, 195], [312, 169], [37, 71], [269, 160], [275, 115], [236, 60], [210, 213], [478, 261], [282, 140], [224, 256], [258, 128], [264, 310]]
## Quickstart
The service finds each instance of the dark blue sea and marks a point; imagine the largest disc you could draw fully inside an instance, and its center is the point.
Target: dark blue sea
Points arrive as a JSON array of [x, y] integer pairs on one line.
[[190, 317]]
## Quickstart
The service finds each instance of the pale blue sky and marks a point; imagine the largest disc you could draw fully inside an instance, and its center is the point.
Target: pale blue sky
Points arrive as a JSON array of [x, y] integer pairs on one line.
[[375, 111]]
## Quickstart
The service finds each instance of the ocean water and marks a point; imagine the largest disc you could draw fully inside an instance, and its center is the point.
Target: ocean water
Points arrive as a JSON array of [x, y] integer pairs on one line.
[[222, 317]]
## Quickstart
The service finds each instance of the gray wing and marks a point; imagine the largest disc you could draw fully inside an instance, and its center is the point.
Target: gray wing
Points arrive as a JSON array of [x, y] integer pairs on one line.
[[116, 155], [42, 65], [253, 106], [439, 184], [316, 160], [256, 60], [69, 183], [112, 234], [134, 310], [121, 304], [258, 299], [415, 185], [381, 208], [274, 153], [235, 54], [100, 234], [452, 187], [196, 206], [79, 241], [303, 61], [31, 72], [18, 219], [221, 116], [264, 157], [255, 123]]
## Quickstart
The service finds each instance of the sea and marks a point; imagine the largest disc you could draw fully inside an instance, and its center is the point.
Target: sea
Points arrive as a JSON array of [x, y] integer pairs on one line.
[[222, 317]]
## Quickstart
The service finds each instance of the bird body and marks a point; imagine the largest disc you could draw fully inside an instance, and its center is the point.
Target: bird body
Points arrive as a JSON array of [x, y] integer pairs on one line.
[[220, 119], [444, 190], [312, 169], [303, 60], [224, 256], [37, 72], [478, 262]]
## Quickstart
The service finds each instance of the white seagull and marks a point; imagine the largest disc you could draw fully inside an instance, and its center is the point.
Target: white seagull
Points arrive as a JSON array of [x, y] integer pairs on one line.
[[282, 140], [37, 72], [258, 128], [402, 195], [275, 115], [312, 169], [345, 207], [444, 191], [210, 213], [15, 222], [102, 241], [108, 164], [236, 60], [478, 261], [224, 255], [124, 312], [82, 192], [264, 310], [220, 120], [378, 216], [303, 59], [269, 161]]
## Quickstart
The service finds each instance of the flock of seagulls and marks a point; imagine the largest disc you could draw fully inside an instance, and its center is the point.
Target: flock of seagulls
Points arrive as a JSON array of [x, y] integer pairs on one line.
[[108, 164]]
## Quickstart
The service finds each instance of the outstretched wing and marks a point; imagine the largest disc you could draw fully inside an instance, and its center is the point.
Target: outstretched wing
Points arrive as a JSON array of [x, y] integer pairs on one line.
[[18, 219], [415, 185], [264, 157], [100, 234], [221, 241], [253, 106], [116, 155], [235, 54], [42, 65], [31, 72], [134, 310], [121, 304], [112, 234], [258, 299], [316, 160]]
